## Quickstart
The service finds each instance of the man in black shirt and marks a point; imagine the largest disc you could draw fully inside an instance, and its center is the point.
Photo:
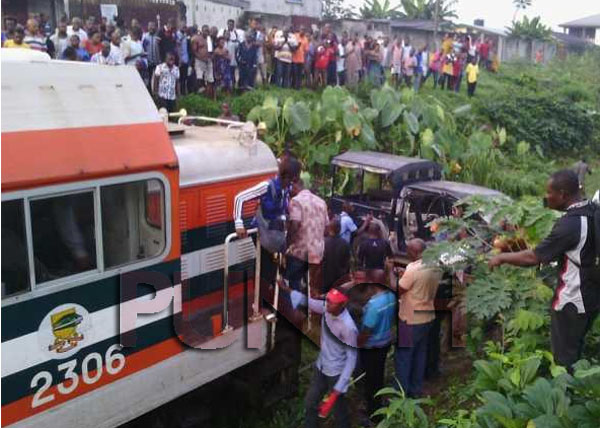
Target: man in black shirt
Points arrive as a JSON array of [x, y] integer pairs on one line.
[[336, 260], [373, 251], [576, 300]]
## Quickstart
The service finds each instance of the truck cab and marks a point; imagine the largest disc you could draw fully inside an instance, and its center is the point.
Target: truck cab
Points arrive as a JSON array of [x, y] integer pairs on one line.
[[404, 193]]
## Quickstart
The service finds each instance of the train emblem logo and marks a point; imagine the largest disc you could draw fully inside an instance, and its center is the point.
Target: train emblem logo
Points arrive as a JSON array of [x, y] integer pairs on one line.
[[64, 328]]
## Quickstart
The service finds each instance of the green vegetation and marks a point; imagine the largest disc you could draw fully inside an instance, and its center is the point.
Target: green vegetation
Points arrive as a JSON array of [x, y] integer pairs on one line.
[[530, 29], [517, 383], [524, 122]]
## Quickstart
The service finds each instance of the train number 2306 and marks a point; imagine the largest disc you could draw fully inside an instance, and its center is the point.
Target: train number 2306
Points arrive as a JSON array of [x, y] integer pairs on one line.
[[115, 361]]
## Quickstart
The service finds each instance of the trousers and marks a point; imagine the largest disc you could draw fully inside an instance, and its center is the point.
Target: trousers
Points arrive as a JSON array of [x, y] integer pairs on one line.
[[321, 384]]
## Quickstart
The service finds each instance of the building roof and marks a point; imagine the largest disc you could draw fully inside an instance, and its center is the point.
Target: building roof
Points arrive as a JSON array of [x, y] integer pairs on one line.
[[401, 169], [485, 30], [65, 121], [454, 189], [571, 40], [235, 3], [592, 21], [418, 24]]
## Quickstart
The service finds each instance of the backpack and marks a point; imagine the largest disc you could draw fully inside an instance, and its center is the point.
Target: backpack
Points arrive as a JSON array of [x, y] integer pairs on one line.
[[270, 218], [592, 212]]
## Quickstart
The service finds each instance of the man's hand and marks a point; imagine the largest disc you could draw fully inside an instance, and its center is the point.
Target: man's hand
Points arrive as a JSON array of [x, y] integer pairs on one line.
[[495, 261], [241, 232]]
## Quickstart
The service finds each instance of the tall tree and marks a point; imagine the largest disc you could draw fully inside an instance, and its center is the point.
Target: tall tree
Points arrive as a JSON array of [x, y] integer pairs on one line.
[[520, 4], [336, 9], [374, 9], [425, 9], [530, 29]]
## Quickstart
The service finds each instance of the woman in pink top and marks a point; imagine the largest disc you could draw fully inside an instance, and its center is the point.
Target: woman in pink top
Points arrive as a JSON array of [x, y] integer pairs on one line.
[[397, 62], [409, 68], [434, 68]]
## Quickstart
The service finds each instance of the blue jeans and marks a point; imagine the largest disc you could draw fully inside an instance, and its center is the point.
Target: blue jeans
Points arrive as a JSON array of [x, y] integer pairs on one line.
[[411, 356], [295, 271], [247, 74], [417, 83], [284, 70]]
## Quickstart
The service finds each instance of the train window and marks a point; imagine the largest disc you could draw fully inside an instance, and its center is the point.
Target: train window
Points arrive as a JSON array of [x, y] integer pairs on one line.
[[133, 221], [15, 267], [63, 232]]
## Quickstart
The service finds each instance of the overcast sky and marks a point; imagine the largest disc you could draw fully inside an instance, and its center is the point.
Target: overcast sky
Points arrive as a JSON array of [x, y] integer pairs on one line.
[[499, 13]]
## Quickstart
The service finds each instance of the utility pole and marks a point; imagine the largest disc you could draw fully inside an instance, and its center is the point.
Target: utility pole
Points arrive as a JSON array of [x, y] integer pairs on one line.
[[436, 18]]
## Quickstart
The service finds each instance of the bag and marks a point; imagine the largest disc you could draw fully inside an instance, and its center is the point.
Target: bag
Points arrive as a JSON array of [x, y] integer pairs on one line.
[[269, 219], [272, 237]]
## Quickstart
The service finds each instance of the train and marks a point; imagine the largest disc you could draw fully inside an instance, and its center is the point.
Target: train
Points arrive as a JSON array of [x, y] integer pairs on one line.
[[98, 190]]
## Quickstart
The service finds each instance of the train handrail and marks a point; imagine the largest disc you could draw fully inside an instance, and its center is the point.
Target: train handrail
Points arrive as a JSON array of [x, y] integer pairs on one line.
[[255, 305], [231, 124]]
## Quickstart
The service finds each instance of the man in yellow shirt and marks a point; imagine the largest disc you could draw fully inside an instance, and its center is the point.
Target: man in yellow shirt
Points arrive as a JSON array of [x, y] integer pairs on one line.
[[472, 74], [17, 41], [447, 44]]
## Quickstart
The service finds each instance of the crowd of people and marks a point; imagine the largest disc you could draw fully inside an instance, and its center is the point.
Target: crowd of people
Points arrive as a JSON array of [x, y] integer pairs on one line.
[[340, 266], [186, 59], [344, 269]]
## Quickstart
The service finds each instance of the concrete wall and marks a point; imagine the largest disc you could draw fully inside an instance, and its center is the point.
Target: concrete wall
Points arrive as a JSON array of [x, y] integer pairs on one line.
[[417, 38], [200, 12], [515, 49], [286, 8]]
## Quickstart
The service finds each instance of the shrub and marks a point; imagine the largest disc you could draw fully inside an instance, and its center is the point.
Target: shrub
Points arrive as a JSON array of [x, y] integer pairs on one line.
[[247, 101], [555, 124], [199, 105]]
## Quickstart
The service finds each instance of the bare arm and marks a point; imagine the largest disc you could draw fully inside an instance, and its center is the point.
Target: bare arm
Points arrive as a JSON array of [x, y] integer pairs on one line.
[[522, 258]]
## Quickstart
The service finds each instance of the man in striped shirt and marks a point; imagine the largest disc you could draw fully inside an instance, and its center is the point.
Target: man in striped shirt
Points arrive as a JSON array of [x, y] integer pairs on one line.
[[274, 198], [576, 301], [33, 37]]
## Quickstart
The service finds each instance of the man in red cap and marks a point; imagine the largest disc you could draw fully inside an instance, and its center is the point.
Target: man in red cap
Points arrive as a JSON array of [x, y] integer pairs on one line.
[[337, 357]]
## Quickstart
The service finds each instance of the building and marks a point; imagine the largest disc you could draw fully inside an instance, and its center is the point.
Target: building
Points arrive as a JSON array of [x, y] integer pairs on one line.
[[144, 10], [281, 13], [214, 12], [420, 32], [284, 13], [587, 28]]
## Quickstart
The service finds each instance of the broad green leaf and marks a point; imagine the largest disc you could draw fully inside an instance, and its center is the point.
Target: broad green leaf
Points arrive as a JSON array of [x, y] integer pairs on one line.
[[380, 99], [528, 371], [271, 102], [370, 114], [411, 121], [515, 377], [502, 136], [367, 136], [299, 117], [352, 123], [255, 114], [391, 114]]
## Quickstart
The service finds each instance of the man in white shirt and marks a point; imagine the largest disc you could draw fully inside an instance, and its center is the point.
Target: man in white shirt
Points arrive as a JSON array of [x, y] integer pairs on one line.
[[115, 47], [104, 57], [76, 28], [337, 358], [60, 40]]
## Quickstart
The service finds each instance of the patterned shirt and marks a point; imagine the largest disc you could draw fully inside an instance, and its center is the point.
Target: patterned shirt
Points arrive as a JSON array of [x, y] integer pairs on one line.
[[98, 58], [311, 212], [150, 44], [167, 81]]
